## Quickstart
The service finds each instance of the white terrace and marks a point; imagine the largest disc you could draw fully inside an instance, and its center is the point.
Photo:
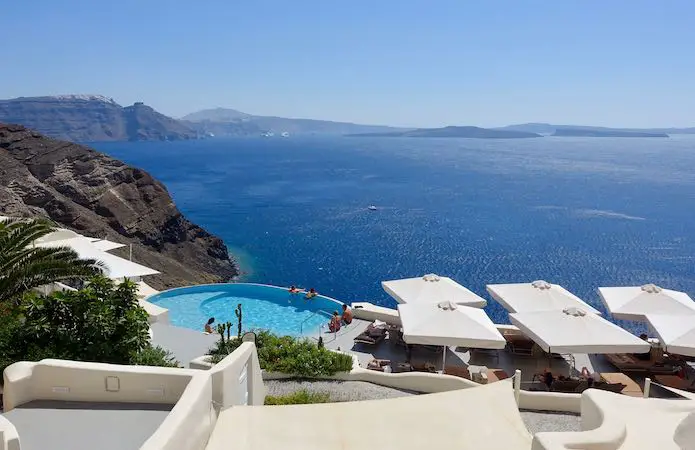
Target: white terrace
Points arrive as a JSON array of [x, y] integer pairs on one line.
[[67, 405]]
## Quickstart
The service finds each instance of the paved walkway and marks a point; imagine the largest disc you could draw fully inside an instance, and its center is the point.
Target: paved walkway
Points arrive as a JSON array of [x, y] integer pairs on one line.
[[185, 344]]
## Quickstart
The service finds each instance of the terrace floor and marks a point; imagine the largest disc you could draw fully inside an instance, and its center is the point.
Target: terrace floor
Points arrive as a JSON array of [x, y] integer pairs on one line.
[[81, 425]]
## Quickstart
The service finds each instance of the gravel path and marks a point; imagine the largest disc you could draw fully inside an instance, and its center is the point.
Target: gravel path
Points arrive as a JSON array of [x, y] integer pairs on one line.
[[344, 391], [341, 391], [546, 421]]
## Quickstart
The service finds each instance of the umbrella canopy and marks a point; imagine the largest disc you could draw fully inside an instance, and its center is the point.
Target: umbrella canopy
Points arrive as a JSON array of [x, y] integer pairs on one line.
[[431, 289], [537, 296], [574, 330], [676, 333], [447, 324], [634, 303]]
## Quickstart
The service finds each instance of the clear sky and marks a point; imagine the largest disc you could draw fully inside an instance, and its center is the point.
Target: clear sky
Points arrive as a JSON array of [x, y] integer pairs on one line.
[[407, 62]]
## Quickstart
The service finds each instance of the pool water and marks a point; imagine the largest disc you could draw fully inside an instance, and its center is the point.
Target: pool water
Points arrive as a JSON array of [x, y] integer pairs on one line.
[[263, 308]]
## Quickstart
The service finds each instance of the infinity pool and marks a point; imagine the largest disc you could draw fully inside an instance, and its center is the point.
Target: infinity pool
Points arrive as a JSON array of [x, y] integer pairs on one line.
[[263, 307]]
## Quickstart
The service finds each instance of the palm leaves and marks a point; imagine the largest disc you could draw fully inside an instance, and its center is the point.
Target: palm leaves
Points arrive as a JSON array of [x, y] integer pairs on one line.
[[24, 266]]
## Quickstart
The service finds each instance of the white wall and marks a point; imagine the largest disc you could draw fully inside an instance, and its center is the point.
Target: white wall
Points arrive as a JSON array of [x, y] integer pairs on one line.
[[9, 440], [190, 423], [550, 401], [237, 379], [53, 379]]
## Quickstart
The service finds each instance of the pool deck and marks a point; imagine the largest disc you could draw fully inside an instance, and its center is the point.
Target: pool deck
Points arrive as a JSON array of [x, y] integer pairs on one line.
[[501, 359], [82, 425]]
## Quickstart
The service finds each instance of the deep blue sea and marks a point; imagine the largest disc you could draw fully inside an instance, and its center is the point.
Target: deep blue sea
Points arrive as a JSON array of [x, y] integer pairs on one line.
[[581, 212]]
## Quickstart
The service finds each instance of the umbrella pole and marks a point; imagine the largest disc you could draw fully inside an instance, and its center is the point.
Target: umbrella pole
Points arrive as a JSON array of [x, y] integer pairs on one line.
[[444, 360]]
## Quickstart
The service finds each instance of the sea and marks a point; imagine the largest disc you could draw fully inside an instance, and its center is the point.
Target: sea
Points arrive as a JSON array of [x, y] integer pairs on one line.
[[580, 212]]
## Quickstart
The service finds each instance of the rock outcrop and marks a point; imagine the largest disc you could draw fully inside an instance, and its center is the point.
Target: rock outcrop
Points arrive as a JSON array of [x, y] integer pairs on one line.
[[99, 196], [84, 118]]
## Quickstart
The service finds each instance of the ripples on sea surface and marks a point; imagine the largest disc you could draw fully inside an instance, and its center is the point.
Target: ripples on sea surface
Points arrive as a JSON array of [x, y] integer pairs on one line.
[[581, 212]]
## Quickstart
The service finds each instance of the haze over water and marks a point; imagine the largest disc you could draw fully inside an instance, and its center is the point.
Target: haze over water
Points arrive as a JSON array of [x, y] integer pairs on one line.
[[581, 212]]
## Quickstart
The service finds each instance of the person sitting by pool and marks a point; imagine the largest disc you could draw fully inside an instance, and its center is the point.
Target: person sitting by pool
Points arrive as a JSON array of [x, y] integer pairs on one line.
[[334, 324], [294, 289], [591, 377], [311, 294], [208, 325], [347, 315]]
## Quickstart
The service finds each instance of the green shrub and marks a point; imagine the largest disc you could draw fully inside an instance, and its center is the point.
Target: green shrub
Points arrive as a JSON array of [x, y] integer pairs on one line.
[[102, 322], [290, 355], [301, 397], [155, 356]]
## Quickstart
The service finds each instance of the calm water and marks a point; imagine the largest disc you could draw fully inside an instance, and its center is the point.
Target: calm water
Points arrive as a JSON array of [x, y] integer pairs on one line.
[[581, 212]]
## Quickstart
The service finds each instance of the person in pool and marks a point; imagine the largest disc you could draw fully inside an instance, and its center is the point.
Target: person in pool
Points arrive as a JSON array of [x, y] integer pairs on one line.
[[294, 289], [311, 294], [208, 325], [347, 315], [334, 324]]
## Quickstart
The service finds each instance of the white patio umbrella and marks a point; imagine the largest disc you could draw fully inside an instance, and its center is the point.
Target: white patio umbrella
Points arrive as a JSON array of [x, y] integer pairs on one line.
[[634, 303], [676, 333], [574, 330], [537, 296], [448, 324], [431, 289]]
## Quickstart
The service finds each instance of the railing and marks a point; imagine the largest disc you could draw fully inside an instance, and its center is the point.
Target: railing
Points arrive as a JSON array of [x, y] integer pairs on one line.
[[301, 325]]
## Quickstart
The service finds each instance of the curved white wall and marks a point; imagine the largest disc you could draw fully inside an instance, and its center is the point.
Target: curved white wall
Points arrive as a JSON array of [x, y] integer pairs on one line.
[[190, 422], [9, 439]]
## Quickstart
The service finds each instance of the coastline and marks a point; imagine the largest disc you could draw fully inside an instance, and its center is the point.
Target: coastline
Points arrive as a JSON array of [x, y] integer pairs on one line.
[[243, 261]]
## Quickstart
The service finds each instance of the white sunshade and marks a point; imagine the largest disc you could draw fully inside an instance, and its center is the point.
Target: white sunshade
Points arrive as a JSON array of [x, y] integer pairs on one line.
[[575, 331], [676, 333], [116, 267], [448, 324], [537, 296], [634, 303], [105, 245], [431, 289]]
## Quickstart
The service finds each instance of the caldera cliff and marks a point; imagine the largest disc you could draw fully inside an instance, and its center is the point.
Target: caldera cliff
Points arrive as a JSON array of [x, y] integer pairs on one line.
[[96, 195]]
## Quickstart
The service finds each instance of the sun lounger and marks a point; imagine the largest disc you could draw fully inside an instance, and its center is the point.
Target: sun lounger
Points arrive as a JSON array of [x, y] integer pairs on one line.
[[610, 387], [371, 336], [426, 367], [463, 372], [378, 364], [631, 388], [569, 386], [630, 363], [458, 371], [676, 382]]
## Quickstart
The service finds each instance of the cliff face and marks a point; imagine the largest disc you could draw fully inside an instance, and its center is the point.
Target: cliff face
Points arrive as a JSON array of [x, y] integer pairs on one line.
[[99, 196], [92, 118]]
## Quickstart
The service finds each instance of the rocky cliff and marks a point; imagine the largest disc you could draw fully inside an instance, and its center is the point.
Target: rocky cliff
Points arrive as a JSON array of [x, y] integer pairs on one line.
[[99, 196], [83, 118]]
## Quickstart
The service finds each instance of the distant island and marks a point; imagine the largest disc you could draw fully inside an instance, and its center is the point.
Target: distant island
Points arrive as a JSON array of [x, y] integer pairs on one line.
[[583, 132], [454, 132], [550, 129], [92, 118]]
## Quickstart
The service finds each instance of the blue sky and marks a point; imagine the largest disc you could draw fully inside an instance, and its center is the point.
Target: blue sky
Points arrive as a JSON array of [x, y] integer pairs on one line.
[[411, 63]]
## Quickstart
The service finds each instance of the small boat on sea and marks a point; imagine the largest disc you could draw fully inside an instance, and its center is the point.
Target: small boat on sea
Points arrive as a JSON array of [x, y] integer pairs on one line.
[[285, 134], [372, 208]]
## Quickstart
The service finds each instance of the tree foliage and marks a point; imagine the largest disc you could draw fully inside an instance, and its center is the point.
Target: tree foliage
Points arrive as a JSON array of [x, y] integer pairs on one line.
[[24, 266], [102, 322]]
